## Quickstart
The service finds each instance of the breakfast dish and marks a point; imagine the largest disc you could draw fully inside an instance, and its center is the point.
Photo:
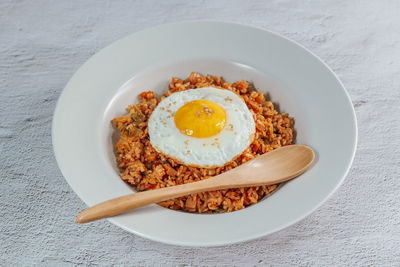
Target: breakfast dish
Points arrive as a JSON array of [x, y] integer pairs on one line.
[[202, 126], [305, 87]]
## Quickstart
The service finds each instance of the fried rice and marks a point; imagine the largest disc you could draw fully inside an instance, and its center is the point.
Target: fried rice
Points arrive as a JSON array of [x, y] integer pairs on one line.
[[146, 169]]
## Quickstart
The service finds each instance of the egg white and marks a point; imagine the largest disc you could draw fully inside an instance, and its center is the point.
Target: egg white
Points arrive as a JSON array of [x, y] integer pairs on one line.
[[217, 150]]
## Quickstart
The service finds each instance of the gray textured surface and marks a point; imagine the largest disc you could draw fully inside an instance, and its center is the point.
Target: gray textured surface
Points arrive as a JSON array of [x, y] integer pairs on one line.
[[42, 43]]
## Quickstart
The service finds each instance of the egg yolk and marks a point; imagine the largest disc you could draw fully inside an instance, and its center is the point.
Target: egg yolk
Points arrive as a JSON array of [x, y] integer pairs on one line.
[[200, 118]]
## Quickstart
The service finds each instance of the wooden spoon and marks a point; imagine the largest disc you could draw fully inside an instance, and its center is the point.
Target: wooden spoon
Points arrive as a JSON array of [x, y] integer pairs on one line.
[[274, 167]]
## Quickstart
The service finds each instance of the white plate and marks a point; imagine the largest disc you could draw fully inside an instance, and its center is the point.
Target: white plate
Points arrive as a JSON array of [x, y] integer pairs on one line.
[[295, 78]]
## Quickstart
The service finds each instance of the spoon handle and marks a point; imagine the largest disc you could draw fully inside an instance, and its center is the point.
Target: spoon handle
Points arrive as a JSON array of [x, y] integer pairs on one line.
[[122, 204]]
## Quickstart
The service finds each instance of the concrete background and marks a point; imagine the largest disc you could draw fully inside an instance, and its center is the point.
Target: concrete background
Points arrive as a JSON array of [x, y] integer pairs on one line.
[[42, 43]]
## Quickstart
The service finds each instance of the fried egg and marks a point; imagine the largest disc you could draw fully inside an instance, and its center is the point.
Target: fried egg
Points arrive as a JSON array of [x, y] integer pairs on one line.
[[204, 127]]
